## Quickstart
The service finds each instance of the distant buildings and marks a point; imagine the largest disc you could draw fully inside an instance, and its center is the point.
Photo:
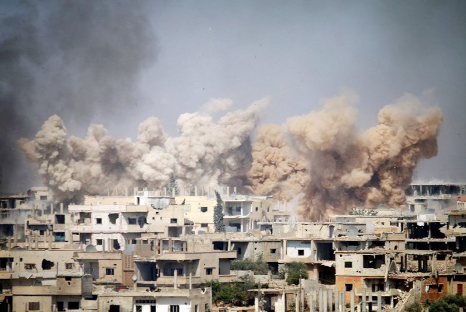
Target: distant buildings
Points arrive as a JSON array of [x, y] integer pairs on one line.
[[155, 252]]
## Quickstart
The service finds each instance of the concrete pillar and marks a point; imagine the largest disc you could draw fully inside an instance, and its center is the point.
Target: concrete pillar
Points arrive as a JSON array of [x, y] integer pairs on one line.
[[352, 300], [379, 301], [330, 301], [173, 192], [49, 238], [15, 237], [43, 210], [36, 237], [195, 190], [321, 301], [314, 300], [62, 209], [176, 279], [190, 280], [170, 245], [369, 300], [256, 304], [342, 301], [324, 301], [363, 301], [103, 245], [9, 242], [234, 190], [228, 191], [311, 303], [337, 301]]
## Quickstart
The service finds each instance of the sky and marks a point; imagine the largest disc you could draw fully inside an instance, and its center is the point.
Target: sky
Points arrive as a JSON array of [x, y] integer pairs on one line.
[[117, 63]]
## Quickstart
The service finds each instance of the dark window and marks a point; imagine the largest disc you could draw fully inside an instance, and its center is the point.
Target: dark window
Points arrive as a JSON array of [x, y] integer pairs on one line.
[[73, 305], [348, 287], [132, 221], [139, 308], [60, 306], [109, 271], [69, 266], [43, 198], [204, 224], [300, 252], [440, 288], [239, 250], [174, 308], [208, 271], [98, 220], [30, 266], [60, 219], [99, 241], [113, 218], [204, 209], [133, 241], [238, 209], [46, 264], [348, 264], [257, 208], [272, 251], [60, 236], [34, 306], [174, 220], [68, 278]]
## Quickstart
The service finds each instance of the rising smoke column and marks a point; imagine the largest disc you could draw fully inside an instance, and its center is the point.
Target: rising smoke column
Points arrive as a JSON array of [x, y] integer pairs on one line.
[[275, 170], [206, 152], [347, 167], [78, 59]]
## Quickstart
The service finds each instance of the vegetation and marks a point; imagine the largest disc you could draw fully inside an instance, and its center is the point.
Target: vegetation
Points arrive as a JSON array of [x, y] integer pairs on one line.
[[173, 185], [448, 303], [296, 271], [259, 266], [414, 307], [235, 293], [218, 214], [363, 212]]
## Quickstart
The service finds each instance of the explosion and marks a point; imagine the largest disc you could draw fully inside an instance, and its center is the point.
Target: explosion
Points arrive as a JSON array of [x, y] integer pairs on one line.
[[320, 158]]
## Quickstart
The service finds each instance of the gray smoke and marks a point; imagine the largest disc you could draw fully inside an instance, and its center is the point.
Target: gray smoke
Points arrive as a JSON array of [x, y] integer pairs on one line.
[[78, 59]]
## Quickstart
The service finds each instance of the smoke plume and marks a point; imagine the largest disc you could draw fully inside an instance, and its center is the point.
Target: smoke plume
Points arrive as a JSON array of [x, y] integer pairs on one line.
[[78, 59], [338, 167], [206, 152]]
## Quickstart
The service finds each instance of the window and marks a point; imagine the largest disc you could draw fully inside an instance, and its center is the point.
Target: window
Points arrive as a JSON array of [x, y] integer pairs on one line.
[[204, 225], [272, 251], [98, 220], [300, 252], [208, 271], [204, 209], [139, 308], [99, 242], [257, 209], [43, 197], [174, 308], [132, 221], [30, 266], [73, 305], [440, 288], [60, 306], [69, 266], [196, 308], [113, 218], [133, 241], [348, 264], [239, 250], [238, 209], [109, 271], [34, 306], [174, 220], [348, 287]]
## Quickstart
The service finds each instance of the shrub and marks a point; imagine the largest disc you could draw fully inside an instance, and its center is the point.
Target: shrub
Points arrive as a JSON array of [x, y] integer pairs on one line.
[[296, 271], [259, 267]]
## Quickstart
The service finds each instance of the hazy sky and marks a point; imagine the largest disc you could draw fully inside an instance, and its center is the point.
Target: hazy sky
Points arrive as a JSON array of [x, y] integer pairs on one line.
[[165, 58]]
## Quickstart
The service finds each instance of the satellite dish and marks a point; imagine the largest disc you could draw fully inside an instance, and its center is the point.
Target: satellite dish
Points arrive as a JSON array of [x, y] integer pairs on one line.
[[91, 248], [135, 278], [352, 231], [458, 267]]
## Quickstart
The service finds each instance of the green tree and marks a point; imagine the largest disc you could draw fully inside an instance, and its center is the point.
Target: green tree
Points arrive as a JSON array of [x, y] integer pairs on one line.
[[173, 185], [448, 303], [218, 214], [259, 266], [296, 271]]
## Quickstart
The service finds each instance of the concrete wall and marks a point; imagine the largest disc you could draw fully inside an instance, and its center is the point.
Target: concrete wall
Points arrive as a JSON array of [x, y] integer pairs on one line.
[[293, 247], [163, 304]]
